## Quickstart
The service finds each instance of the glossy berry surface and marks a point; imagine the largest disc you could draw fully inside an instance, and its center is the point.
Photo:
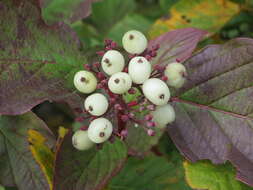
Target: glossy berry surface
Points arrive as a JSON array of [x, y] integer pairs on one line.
[[112, 62], [81, 141], [175, 73], [96, 104], [100, 130], [139, 69], [120, 83], [85, 81], [156, 91], [163, 115], [134, 42]]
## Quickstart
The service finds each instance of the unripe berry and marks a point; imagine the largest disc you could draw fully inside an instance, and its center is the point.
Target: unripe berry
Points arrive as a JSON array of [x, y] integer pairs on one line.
[[81, 141], [96, 104], [134, 42], [100, 130], [175, 72], [113, 62], [120, 83], [156, 91], [85, 82], [139, 69], [163, 115]]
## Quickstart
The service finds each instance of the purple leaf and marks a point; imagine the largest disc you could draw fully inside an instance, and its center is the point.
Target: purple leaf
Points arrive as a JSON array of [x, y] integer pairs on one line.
[[86, 170], [215, 107], [18, 167], [37, 63], [54, 11], [176, 45]]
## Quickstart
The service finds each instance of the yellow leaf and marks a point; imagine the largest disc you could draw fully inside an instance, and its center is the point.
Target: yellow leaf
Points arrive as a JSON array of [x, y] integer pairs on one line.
[[42, 154], [62, 132], [208, 15]]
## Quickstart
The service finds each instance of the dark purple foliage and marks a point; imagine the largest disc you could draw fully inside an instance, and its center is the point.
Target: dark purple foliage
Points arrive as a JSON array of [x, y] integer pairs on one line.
[[215, 107]]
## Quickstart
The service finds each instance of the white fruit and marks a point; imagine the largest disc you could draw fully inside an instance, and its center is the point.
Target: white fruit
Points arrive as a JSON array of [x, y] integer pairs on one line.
[[85, 82], [113, 62], [156, 91], [134, 42], [100, 130], [96, 104], [81, 141], [120, 83], [139, 69], [175, 72], [163, 115]]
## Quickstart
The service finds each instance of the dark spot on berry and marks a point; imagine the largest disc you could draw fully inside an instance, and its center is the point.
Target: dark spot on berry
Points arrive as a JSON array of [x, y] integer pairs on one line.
[[107, 60], [161, 96], [116, 81], [131, 37], [102, 134], [83, 79], [140, 61], [90, 108]]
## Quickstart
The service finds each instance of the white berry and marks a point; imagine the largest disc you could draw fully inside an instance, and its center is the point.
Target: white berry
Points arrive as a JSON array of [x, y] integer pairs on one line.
[[100, 130], [85, 82], [120, 83], [113, 62], [175, 72], [156, 91], [81, 141], [134, 42], [96, 104], [163, 115], [139, 69]]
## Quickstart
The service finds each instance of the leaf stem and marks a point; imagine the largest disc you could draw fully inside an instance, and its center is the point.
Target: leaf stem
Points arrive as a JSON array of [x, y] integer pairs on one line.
[[209, 108]]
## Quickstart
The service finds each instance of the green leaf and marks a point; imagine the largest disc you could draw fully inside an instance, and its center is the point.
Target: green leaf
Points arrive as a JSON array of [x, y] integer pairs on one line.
[[150, 173], [54, 11], [204, 175], [130, 22], [138, 141], [92, 169], [167, 4], [15, 154], [208, 15], [88, 34], [108, 12], [37, 63]]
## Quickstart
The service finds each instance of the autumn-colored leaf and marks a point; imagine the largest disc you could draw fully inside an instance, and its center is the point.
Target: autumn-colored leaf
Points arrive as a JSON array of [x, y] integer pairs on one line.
[[42, 154], [215, 107], [37, 63], [176, 45], [210, 15], [204, 175], [16, 157]]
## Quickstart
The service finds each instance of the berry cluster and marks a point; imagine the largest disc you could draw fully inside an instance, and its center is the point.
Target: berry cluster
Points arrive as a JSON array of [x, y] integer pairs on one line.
[[114, 79]]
